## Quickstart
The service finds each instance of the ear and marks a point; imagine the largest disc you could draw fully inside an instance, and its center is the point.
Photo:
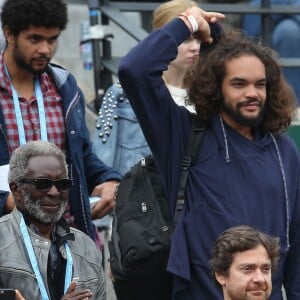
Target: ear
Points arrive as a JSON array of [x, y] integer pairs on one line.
[[16, 192], [13, 186], [9, 37], [220, 278]]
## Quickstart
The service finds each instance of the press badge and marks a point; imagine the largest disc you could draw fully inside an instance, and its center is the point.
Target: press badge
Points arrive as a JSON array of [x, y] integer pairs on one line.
[[4, 178]]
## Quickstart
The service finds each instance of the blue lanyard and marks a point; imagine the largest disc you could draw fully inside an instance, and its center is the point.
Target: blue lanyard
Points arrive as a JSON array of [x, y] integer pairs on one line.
[[41, 109], [35, 266]]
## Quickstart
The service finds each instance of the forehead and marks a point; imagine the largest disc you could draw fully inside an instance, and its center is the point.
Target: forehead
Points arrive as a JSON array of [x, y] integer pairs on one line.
[[45, 166], [41, 31], [256, 256], [246, 66]]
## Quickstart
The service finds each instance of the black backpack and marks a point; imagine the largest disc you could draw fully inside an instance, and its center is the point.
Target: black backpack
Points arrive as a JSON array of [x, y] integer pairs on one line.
[[142, 227]]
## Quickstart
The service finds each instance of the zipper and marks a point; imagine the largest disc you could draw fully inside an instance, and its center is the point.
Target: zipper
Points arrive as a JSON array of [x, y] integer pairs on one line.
[[17, 271], [81, 198], [72, 104], [156, 211], [5, 137]]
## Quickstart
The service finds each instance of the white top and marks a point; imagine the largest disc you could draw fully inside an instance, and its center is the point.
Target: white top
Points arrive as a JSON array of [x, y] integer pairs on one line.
[[179, 95]]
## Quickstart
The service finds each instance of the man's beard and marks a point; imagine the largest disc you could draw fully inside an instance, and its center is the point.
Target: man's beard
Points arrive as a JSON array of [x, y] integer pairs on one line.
[[35, 209], [233, 296], [241, 119], [21, 62]]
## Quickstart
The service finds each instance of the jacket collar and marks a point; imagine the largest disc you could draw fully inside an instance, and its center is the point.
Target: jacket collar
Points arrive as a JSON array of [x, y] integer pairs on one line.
[[61, 231]]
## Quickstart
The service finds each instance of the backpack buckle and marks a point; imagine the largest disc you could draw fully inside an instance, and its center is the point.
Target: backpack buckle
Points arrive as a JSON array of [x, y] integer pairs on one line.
[[186, 162], [179, 204]]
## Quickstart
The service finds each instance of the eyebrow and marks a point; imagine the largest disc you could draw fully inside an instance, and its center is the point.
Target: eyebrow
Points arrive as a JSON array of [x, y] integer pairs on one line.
[[262, 80], [40, 36], [268, 264]]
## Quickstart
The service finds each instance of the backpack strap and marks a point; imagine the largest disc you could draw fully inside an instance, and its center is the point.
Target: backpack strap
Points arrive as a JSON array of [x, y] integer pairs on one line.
[[191, 152]]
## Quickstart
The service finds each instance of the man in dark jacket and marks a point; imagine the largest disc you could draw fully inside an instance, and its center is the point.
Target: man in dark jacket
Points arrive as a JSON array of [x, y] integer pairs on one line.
[[42, 101], [247, 170]]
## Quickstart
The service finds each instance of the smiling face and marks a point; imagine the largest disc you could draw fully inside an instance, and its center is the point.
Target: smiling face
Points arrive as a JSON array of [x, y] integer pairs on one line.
[[249, 276], [244, 92], [33, 48], [42, 207]]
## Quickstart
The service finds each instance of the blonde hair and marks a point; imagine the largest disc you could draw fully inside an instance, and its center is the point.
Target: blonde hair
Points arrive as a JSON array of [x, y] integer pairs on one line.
[[167, 11]]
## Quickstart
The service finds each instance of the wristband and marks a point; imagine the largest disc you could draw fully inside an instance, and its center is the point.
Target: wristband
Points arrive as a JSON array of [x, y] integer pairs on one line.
[[191, 19]]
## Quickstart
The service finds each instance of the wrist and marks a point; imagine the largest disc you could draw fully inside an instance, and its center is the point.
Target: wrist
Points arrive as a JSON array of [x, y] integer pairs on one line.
[[190, 21], [187, 23]]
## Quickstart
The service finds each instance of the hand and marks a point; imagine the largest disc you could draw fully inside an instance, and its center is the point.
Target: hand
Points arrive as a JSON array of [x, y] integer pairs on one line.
[[19, 296], [203, 19], [107, 203], [9, 204], [72, 294], [110, 274]]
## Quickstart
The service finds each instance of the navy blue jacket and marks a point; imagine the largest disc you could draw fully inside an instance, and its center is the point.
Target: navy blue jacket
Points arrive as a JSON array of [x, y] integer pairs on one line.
[[85, 168], [234, 180]]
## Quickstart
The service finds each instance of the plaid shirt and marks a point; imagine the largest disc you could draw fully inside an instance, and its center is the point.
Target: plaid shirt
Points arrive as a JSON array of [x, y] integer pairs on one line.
[[53, 110], [54, 118]]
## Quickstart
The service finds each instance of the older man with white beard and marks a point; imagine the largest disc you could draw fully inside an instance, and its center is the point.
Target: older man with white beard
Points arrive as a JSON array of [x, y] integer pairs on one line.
[[40, 255]]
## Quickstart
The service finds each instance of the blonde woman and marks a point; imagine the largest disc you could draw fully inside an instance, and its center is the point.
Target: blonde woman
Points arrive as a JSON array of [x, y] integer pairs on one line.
[[119, 140], [188, 51]]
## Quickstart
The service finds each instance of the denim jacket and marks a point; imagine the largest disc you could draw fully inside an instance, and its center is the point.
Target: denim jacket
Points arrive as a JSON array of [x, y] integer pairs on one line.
[[85, 168], [118, 138]]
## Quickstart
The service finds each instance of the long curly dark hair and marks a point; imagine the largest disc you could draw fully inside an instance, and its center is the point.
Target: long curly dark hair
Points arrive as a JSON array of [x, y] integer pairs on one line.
[[205, 80]]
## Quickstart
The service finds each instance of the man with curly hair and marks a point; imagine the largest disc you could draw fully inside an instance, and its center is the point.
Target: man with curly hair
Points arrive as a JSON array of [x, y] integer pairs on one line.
[[40, 100], [247, 170]]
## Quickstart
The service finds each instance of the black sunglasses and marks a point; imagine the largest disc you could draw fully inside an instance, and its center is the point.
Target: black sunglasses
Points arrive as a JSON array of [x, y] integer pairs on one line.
[[45, 184]]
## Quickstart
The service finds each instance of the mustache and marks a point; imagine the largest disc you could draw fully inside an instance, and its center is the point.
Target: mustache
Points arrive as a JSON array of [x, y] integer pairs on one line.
[[51, 201], [42, 57], [249, 101], [34, 208]]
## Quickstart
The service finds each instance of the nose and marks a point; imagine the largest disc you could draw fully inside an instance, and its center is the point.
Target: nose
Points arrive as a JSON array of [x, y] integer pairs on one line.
[[53, 191], [44, 47], [195, 45], [259, 277], [251, 91]]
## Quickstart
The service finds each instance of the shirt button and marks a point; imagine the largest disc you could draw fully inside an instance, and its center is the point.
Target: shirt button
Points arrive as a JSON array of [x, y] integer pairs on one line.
[[72, 131]]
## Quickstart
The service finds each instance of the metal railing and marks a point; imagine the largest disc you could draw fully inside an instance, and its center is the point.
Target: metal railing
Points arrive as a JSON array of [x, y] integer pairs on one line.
[[104, 11]]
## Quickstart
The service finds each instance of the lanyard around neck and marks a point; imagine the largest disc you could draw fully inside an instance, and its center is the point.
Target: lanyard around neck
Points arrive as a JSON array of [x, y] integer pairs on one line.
[[41, 109], [35, 266]]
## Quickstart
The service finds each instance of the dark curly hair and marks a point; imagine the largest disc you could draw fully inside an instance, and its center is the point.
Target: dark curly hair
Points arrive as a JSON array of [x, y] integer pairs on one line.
[[19, 15], [205, 81], [238, 239]]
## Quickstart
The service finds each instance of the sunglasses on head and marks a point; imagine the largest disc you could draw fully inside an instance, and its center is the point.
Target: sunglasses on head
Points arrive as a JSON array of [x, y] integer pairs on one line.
[[45, 184]]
